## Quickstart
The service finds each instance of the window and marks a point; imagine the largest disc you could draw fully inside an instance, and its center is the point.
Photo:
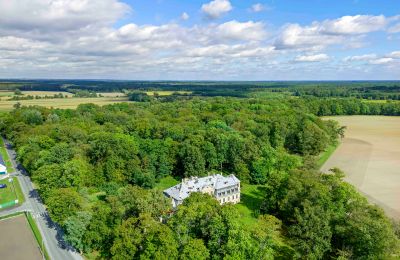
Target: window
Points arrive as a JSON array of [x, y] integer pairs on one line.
[[223, 200]]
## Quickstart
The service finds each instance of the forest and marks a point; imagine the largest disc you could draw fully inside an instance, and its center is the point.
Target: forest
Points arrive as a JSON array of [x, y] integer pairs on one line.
[[97, 170]]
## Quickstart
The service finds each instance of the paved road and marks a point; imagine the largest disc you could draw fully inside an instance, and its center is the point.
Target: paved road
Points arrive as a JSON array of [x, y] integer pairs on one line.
[[51, 233]]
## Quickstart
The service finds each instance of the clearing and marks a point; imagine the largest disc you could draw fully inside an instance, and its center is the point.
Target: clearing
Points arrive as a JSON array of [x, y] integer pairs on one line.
[[17, 240], [370, 156]]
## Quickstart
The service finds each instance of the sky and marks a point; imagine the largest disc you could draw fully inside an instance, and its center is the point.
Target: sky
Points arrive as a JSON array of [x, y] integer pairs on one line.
[[200, 39]]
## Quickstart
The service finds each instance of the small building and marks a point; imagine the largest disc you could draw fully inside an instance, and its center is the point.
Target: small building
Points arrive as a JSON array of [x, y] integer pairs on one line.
[[3, 169], [226, 189]]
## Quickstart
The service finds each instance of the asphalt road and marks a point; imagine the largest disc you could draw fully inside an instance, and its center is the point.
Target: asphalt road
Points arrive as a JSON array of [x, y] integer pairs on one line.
[[51, 233]]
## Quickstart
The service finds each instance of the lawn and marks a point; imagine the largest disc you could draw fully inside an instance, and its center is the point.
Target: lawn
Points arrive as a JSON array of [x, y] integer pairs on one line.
[[11, 192], [166, 182], [5, 156], [251, 197], [324, 156], [7, 194]]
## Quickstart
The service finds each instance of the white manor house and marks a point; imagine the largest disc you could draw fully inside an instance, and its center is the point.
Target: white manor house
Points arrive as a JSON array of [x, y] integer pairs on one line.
[[226, 189]]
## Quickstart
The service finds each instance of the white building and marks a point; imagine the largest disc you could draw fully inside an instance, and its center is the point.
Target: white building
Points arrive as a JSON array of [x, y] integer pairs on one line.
[[226, 189], [3, 169]]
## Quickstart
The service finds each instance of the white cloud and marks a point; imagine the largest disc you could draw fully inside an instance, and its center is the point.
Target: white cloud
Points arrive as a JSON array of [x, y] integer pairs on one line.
[[365, 57], [256, 8], [394, 29], [357, 24], [185, 16], [375, 59], [55, 15], [216, 8], [381, 61], [83, 38], [347, 30], [312, 58], [250, 31], [395, 55]]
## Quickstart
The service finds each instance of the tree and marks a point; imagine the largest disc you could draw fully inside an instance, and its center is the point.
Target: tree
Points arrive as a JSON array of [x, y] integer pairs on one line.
[[192, 159], [311, 231], [75, 228], [63, 203], [144, 238], [194, 249]]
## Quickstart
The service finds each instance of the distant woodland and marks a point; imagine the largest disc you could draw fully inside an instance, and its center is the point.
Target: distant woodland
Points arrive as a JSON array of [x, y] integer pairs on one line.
[[98, 169]]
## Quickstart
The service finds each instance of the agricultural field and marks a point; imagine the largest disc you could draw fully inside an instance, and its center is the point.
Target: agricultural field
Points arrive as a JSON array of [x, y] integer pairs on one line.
[[167, 93], [17, 240], [370, 156], [62, 102], [9, 94], [112, 94]]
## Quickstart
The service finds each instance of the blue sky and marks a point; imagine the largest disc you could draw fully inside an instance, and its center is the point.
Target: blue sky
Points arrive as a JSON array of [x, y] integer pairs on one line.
[[200, 39]]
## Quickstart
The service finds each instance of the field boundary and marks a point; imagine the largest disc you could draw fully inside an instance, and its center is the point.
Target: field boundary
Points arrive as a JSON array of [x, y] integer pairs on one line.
[[37, 235], [11, 215], [325, 155]]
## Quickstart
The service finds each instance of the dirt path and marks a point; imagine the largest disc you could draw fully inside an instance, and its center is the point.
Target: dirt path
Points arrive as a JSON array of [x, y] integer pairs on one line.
[[370, 157]]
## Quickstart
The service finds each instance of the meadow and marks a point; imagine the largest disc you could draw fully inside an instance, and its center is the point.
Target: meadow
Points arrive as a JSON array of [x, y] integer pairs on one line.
[[370, 156]]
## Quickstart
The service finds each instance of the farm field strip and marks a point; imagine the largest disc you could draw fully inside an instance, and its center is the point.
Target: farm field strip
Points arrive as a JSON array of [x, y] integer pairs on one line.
[[62, 102], [370, 156]]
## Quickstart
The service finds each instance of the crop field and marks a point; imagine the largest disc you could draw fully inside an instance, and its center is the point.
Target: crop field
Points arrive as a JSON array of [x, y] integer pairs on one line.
[[17, 240], [62, 102], [8, 94], [167, 93], [370, 156]]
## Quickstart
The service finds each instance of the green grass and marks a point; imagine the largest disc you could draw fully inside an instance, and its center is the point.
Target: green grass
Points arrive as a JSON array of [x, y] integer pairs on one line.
[[7, 194], [12, 215], [18, 191], [166, 182], [5, 156], [37, 234], [324, 156], [251, 197], [11, 192]]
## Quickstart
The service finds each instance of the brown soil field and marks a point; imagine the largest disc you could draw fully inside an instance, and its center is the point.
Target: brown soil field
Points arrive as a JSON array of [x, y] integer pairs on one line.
[[17, 240], [370, 156]]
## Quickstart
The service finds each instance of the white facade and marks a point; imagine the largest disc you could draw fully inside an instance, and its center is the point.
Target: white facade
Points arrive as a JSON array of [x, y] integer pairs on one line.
[[226, 189]]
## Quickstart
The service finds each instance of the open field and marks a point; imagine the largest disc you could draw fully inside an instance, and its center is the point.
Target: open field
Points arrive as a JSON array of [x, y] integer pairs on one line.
[[112, 94], [17, 240], [62, 102], [370, 156], [9, 94], [167, 93]]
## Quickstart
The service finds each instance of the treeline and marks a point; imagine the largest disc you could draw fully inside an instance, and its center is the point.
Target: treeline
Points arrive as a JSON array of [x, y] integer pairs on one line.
[[95, 168], [348, 106]]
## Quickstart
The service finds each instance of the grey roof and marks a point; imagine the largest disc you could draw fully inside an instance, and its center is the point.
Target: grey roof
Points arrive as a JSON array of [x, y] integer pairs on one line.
[[182, 190]]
